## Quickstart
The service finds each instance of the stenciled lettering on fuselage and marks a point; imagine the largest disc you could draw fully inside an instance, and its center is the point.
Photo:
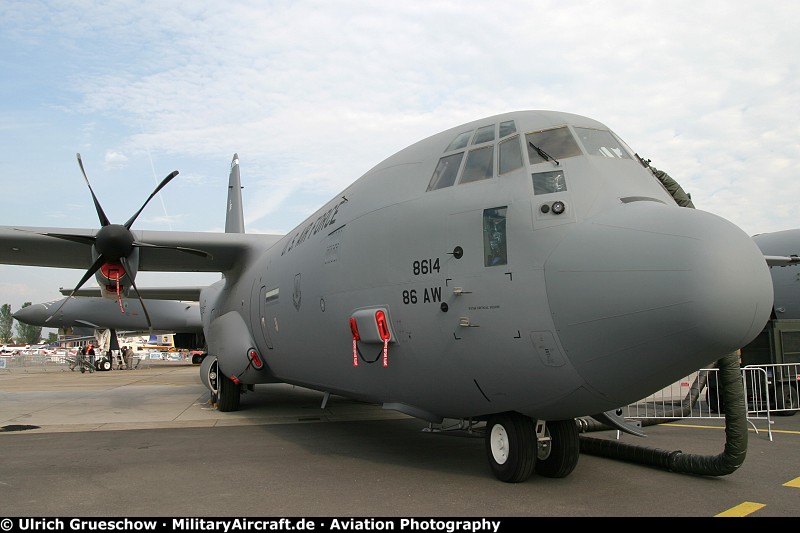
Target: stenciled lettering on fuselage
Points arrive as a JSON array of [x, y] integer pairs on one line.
[[425, 295], [325, 220]]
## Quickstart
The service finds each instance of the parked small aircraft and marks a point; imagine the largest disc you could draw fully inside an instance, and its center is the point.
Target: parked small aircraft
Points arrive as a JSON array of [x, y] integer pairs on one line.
[[785, 281], [520, 270]]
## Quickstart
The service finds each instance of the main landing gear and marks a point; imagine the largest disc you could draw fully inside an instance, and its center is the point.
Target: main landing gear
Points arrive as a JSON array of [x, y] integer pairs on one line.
[[517, 446], [225, 393]]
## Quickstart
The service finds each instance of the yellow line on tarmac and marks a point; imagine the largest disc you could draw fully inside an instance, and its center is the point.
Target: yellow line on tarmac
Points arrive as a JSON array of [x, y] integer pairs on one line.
[[793, 483], [743, 509], [785, 431]]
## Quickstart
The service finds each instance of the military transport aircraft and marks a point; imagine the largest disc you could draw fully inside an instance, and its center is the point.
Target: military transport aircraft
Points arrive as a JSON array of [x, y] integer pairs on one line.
[[517, 271]]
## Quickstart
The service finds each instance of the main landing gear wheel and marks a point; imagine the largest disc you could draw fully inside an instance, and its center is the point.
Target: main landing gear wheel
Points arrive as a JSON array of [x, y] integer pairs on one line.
[[224, 392], [105, 365], [560, 456], [228, 393], [511, 446]]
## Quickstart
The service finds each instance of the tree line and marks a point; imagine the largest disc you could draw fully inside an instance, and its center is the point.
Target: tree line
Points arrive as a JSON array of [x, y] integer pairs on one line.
[[26, 334]]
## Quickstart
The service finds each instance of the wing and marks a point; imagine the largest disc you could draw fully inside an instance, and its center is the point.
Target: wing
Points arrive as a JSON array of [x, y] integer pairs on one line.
[[39, 246], [780, 248], [781, 260]]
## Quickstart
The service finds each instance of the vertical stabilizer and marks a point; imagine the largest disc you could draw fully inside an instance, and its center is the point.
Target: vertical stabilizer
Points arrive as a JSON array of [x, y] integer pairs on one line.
[[234, 217]]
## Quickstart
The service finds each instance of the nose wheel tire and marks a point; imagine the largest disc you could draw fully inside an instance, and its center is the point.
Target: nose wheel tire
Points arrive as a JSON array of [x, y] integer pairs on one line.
[[562, 452], [511, 446]]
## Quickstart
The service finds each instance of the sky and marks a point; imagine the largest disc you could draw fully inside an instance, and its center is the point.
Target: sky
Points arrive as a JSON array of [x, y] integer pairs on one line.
[[312, 94]]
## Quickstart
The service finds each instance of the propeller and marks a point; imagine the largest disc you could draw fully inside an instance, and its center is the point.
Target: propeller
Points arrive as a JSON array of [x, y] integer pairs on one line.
[[114, 244]]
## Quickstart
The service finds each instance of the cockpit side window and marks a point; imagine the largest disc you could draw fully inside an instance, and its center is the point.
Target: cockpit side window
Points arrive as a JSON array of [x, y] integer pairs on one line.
[[446, 171], [509, 155], [556, 143], [484, 134], [459, 142], [494, 236], [602, 143], [479, 165]]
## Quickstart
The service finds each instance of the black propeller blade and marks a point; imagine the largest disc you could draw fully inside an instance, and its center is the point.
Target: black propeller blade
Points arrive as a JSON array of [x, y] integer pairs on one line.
[[124, 261], [103, 218], [89, 273]]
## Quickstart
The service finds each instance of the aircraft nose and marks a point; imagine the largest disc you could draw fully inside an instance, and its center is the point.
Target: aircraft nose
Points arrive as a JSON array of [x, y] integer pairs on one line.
[[34, 315], [646, 294]]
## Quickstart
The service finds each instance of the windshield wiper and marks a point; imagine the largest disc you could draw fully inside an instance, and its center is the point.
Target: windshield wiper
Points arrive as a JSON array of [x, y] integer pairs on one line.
[[544, 154]]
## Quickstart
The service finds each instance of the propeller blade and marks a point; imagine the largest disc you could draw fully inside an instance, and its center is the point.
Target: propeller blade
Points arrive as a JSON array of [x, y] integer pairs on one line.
[[100, 213], [80, 239], [124, 261], [161, 185], [89, 273], [193, 251]]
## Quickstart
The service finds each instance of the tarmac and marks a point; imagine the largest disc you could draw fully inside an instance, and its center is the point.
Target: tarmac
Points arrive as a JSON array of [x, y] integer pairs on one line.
[[147, 443]]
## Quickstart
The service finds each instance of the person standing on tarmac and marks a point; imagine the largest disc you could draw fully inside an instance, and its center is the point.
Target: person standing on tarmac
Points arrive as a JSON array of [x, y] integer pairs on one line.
[[127, 356], [90, 353]]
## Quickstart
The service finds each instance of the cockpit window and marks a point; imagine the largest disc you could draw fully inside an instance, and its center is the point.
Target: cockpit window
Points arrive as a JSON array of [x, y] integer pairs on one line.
[[507, 128], [509, 155], [494, 236], [547, 182], [479, 165], [552, 144], [446, 171], [459, 142], [602, 143], [484, 134]]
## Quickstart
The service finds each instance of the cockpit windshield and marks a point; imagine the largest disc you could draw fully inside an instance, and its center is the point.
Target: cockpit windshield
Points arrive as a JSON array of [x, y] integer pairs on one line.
[[548, 145], [489, 160], [602, 143]]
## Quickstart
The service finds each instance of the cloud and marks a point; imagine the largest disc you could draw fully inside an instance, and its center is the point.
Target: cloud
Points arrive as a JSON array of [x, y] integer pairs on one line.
[[114, 159]]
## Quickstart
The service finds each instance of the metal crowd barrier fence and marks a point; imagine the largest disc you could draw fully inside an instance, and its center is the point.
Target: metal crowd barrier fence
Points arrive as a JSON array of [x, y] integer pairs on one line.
[[770, 390], [34, 361], [58, 362]]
